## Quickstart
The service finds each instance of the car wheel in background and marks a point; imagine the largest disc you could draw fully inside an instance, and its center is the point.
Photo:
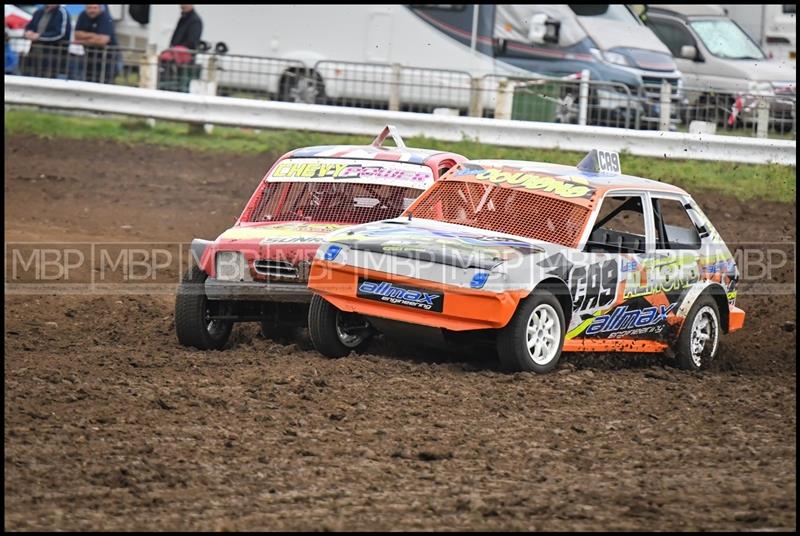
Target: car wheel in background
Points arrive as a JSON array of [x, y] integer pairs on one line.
[[192, 311], [533, 339], [335, 333], [301, 85]]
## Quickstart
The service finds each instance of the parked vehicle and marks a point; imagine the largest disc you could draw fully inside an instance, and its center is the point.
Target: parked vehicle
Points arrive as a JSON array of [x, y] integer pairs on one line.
[[257, 269], [536, 259], [773, 26], [716, 56], [294, 52]]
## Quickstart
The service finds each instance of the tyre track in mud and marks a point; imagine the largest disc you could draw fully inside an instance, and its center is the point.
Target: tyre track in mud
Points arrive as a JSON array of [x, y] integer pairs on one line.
[[110, 424]]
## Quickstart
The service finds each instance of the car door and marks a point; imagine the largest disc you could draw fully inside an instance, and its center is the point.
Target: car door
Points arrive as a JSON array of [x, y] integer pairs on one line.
[[675, 35], [617, 248], [675, 265]]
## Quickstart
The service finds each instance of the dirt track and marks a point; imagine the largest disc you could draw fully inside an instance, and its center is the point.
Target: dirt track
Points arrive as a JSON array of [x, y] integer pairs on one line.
[[110, 425]]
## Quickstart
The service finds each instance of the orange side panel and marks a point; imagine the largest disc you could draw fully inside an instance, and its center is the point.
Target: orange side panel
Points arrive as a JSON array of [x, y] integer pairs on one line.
[[614, 345], [735, 319], [464, 309]]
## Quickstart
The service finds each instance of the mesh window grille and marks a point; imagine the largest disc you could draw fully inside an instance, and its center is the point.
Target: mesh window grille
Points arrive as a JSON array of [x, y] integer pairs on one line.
[[504, 210]]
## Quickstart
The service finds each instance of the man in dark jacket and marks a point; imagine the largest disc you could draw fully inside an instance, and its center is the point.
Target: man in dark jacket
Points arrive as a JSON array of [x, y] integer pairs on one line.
[[189, 29], [49, 32], [95, 31], [176, 66]]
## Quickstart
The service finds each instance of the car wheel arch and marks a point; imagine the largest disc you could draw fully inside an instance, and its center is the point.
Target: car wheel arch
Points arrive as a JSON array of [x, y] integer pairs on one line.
[[716, 291], [561, 291]]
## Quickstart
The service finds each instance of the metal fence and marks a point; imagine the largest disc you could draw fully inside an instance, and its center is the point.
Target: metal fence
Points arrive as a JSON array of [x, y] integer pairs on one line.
[[576, 99]]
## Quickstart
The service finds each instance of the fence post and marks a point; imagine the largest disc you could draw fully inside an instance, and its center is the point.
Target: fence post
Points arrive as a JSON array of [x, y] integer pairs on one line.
[[148, 68], [476, 97], [762, 118], [207, 85], [394, 88], [583, 97], [505, 99], [666, 105]]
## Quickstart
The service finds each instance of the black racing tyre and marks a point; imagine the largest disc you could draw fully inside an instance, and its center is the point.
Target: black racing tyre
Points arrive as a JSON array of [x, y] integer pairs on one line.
[[192, 309], [268, 329], [302, 86], [335, 333], [533, 338], [698, 342]]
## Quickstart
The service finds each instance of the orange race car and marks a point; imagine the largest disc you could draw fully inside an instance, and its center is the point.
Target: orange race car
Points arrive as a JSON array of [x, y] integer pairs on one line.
[[539, 259], [256, 271]]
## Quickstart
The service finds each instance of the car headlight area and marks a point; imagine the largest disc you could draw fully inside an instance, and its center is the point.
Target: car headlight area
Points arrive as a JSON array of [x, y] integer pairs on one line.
[[231, 266]]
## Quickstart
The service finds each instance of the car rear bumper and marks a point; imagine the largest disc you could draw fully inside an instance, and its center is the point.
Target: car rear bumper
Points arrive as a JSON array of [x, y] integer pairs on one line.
[[257, 291]]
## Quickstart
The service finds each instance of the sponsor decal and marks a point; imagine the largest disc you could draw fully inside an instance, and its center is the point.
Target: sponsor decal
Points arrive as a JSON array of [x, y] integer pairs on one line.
[[559, 186], [291, 240], [622, 322], [332, 252], [414, 297], [322, 169], [628, 265], [594, 285], [479, 280], [281, 233], [669, 276]]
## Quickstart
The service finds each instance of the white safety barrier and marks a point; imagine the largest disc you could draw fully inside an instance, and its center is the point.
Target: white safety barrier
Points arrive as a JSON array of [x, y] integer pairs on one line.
[[250, 113]]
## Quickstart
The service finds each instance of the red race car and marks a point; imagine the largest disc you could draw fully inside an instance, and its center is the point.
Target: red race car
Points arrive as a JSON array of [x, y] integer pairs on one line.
[[257, 271]]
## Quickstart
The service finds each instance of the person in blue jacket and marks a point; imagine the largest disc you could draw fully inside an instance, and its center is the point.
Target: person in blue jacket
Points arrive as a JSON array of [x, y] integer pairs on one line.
[[94, 29], [49, 32]]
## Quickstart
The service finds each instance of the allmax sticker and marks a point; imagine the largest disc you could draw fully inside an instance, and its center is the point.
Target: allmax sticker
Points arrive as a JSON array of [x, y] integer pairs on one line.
[[416, 298]]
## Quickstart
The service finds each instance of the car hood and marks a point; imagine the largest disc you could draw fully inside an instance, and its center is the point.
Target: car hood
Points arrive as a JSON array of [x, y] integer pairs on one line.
[[612, 34], [766, 70], [297, 232], [432, 241]]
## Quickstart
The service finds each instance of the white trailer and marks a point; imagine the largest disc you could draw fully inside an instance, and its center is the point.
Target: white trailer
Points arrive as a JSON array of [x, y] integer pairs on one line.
[[341, 51], [773, 26]]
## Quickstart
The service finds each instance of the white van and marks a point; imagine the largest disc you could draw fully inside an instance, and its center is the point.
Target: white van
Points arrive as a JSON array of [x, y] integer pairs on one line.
[[773, 26]]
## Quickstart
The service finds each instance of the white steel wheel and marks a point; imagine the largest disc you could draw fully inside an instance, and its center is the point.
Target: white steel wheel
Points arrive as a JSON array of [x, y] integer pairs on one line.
[[351, 334], [704, 335], [533, 338], [698, 342], [543, 334]]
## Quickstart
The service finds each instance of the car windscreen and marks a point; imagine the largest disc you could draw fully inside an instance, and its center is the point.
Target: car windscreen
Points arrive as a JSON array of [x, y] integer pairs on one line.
[[515, 211], [615, 12], [339, 190], [723, 38]]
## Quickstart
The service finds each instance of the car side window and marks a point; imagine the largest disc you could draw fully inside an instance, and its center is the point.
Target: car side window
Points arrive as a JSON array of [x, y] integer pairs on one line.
[[671, 34], [619, 227], [674, 227]]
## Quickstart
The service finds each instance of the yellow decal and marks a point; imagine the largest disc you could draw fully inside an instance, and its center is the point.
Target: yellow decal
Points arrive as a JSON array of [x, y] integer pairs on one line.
[[280, 231], [535, 181]]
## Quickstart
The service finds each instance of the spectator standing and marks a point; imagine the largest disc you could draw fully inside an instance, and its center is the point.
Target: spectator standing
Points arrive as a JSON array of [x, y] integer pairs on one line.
[[94, 30], [12, 60], [176, 67], [189, 29], [49, 32]]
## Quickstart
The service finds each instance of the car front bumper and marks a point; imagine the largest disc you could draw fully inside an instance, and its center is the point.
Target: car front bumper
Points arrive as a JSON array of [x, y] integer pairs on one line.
[[257, 291]]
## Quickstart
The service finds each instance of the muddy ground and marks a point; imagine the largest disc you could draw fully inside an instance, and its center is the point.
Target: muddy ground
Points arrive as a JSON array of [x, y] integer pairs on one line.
[[110, 424]]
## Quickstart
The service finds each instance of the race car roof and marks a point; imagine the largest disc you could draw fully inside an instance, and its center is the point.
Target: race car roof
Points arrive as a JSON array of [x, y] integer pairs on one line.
[[600, 181], [369, 152]]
